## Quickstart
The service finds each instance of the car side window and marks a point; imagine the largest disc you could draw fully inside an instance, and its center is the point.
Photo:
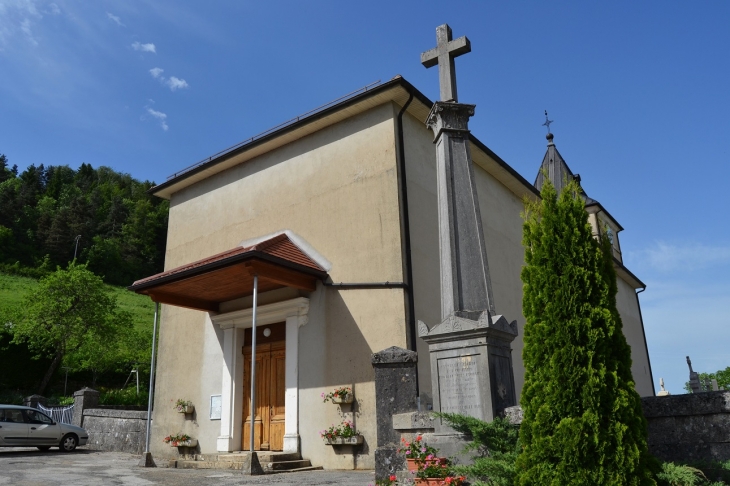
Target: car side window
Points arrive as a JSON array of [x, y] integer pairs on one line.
[[37, 417], [15, 416], [2, 415]]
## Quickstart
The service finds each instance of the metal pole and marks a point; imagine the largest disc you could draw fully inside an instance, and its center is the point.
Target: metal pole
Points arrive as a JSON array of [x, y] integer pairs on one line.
[[77, 246], [253, 362], [136, 372], [152, 378]]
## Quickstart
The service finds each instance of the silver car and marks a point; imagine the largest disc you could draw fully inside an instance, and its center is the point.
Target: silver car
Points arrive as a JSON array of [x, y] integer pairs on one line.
[[28, 427]]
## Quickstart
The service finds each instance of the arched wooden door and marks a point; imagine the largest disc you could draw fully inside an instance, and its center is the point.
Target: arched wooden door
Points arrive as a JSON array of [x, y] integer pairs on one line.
[[270, 388]]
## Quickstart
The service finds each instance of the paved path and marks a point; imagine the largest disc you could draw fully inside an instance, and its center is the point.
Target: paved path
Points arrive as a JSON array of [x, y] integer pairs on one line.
[[31, 467]]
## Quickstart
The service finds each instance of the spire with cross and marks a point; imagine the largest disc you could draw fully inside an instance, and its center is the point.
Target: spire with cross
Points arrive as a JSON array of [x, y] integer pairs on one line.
[[547, 122], [443, 55]]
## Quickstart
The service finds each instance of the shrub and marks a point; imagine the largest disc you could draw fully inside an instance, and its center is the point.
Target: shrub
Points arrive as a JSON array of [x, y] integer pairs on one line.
[[496, 445], [583, 422]]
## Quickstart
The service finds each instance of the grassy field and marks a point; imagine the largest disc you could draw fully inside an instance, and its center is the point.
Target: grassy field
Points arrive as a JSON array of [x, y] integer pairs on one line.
[[13, 288]]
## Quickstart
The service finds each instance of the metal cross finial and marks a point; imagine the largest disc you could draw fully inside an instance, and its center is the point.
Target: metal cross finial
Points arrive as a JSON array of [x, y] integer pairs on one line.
[[443, 55], [547, 122]]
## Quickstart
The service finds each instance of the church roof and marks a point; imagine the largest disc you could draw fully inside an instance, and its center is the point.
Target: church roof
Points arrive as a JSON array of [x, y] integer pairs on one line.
[[205, 283], [397, 91], [557, 171]]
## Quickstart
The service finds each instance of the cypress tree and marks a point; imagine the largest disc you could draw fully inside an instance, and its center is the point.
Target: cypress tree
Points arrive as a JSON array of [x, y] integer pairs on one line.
[[583, 422]]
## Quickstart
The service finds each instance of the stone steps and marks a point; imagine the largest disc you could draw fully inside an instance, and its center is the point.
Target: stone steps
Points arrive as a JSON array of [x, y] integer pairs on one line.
[[271, 462]]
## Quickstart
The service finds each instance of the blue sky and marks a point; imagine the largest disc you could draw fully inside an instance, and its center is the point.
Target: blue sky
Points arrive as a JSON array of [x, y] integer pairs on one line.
[[639, 92]]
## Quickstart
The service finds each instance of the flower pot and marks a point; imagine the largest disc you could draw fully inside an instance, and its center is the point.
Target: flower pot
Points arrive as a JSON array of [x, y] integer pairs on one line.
[[412, 464], [429, 482], [349, 398], [186, 409], [354, 440], [185, 443]]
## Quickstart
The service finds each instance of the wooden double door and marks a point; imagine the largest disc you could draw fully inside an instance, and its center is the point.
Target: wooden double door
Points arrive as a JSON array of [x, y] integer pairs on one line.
[[268, 423]]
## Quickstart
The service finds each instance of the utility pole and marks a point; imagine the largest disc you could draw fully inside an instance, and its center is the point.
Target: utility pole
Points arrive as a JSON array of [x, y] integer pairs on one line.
[[78, 237]]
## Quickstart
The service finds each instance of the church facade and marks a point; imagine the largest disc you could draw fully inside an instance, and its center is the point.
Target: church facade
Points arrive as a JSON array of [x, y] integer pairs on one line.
[[335, 218]]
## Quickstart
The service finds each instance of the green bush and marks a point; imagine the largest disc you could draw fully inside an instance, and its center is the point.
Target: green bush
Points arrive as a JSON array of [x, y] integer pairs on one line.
[[583, 423], [128, 396], [700, 474], [496, 445]]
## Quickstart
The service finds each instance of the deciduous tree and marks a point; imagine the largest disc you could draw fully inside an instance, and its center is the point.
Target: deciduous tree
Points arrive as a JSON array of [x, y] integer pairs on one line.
[[70, 313]]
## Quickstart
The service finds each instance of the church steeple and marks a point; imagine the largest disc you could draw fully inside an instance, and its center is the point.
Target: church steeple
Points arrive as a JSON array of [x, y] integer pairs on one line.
[[553, 165]]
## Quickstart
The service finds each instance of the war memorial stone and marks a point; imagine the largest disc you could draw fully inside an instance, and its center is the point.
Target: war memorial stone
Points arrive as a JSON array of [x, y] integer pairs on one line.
[[471, 359]]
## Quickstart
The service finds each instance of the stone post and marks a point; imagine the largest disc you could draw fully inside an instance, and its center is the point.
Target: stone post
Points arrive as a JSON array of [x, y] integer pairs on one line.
[[395, 392], [83, 399], [34, 400]]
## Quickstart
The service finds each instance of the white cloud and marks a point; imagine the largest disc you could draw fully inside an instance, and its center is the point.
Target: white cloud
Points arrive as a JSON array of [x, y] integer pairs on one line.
[[161, 117], [175, 83], [53, 9], [666, 257], [15, 18], [25, 28], [115, 19], [144, 47]]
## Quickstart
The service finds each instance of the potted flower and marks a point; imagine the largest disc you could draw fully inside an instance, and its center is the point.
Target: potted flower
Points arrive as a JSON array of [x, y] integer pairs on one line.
[[180, 440], [184, 406], [436, 471], [339, 395], [415, 452], [343, 434]]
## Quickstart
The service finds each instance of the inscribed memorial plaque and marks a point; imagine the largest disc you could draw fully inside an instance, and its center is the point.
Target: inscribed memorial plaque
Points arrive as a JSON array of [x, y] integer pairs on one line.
[[458, 379]]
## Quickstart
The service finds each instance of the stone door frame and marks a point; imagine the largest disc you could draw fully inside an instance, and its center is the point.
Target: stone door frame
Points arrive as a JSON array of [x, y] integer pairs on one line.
[[295, 313]]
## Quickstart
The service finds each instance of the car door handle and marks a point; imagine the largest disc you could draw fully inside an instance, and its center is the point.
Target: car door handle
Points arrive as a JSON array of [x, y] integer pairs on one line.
[[32, 428]]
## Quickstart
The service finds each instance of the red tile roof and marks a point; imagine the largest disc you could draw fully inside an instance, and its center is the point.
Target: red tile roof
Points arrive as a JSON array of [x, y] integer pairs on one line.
[[280, 246]]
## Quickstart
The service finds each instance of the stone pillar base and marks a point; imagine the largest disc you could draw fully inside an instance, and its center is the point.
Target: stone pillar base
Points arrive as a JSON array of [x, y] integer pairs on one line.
[[251, 465], [291, 443], [146, 460], [389, 462], [224, 444]]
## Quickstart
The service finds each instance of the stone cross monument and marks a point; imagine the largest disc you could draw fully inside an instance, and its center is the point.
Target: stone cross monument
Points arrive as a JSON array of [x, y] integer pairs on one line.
[[471, 360]]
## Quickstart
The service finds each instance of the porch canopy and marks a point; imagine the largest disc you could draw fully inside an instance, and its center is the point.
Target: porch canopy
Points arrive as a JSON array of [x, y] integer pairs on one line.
[[203, 285]]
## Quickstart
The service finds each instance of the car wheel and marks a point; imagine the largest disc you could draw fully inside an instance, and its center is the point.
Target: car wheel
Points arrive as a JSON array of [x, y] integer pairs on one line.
[[43, 448], [68, 443]]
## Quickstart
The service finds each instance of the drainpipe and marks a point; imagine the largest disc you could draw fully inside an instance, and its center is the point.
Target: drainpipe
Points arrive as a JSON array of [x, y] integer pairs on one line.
[[646, 345], [406, 228]]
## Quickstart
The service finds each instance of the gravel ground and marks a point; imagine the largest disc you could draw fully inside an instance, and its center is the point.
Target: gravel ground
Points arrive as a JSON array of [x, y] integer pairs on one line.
[[31, 467]]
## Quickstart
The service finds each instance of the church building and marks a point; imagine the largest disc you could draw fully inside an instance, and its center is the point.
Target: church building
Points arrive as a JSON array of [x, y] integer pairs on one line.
[[334, 218]]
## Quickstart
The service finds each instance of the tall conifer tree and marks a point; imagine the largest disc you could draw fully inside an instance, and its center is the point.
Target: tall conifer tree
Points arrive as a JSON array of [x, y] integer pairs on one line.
[[583, 422]]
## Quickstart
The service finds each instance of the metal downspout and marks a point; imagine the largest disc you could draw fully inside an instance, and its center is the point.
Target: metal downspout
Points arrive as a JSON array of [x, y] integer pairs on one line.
[[407, 229]]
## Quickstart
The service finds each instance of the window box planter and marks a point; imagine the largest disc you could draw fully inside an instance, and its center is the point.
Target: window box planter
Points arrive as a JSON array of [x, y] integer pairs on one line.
[[349, 398], [185, 443], [186, 409], [354, 440]]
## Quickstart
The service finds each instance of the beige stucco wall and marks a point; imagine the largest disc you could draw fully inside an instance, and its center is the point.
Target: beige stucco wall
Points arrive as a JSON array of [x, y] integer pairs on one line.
[[337, 189], [628, 307], [502, 224]]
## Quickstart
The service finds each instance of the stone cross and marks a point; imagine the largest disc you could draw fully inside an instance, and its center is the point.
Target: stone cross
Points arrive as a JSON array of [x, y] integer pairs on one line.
[[470, 350], [443, 55]]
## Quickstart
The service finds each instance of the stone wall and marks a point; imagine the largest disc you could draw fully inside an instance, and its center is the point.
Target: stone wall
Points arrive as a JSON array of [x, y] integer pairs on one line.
[[692, 427], [115, 430]]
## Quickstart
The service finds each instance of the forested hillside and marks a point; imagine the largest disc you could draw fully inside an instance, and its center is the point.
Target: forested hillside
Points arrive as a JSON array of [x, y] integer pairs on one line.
[[121, 232], [43, 209]]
